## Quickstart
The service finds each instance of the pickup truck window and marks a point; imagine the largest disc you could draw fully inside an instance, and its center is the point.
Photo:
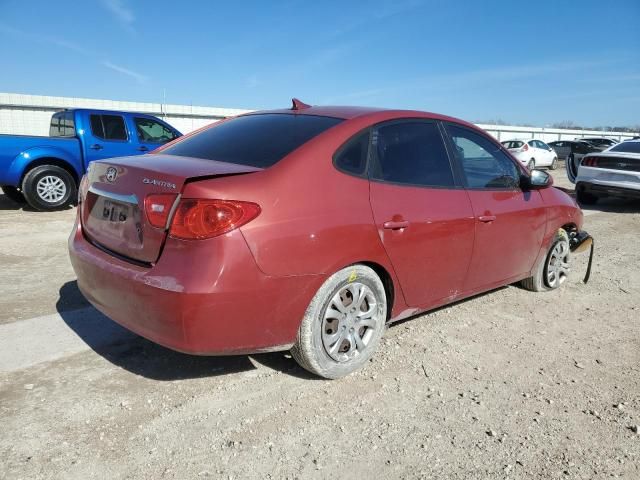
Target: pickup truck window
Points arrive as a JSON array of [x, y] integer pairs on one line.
[[62, 125], [150, 131], [108, 127]]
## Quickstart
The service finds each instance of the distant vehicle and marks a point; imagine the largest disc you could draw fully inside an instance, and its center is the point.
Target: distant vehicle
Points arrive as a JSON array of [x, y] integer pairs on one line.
[[601, 143], [312, 228], [614, 172], [532, 153], [572, 151], [45, 171]]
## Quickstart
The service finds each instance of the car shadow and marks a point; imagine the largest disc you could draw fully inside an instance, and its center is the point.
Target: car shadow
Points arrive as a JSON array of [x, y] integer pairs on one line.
[[142, 357], [7, 204]]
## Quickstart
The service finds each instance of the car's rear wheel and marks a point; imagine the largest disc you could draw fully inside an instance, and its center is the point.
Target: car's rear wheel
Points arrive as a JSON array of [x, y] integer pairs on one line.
[[554, 164], [585, 198], [49, 187], [532, 164], [13, 194], [343, 324], [554, 269]]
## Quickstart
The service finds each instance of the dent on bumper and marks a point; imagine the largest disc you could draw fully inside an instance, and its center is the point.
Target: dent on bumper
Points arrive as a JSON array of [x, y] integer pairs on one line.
[[209, 298]]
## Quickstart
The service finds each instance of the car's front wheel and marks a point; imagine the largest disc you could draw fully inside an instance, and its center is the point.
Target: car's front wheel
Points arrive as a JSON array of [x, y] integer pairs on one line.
[[532, 164], [554, 269], [343, 324]]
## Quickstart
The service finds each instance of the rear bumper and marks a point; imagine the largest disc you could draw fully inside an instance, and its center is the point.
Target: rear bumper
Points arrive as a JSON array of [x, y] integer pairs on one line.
[[206, 297], [610, 189], [608, 181]]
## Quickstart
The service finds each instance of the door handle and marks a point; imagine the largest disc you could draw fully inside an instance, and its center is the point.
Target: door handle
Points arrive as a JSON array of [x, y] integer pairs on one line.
[[96, 146], [487, 218], [396, 225], [142, 148]]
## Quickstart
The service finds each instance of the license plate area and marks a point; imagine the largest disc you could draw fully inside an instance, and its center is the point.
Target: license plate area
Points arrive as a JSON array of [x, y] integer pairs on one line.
[[115, 211]]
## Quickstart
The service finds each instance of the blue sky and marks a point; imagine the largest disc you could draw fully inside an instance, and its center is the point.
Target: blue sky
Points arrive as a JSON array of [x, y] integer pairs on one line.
[[522, 62]]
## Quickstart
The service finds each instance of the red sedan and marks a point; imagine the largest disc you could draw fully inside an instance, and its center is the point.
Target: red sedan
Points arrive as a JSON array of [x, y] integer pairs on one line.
[[310, 229]]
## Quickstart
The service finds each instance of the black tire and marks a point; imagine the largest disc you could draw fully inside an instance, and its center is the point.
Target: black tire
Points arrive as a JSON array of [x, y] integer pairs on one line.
[[585, 198], [311, 350], [539, 281], [12, 193], [532, 164], [554, 164], [30, 187]]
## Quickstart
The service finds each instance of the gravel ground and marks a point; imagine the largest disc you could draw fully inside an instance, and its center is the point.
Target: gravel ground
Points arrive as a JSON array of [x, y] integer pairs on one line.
[[510, 384]]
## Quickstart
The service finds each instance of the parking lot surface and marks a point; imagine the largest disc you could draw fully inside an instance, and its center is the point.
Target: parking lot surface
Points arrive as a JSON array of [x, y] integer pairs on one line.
[[509, 384]]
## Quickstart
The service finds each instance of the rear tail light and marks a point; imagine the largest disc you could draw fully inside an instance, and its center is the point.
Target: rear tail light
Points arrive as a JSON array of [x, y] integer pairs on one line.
[[525, 147], [590, 161], [196, 219], [158, 207]]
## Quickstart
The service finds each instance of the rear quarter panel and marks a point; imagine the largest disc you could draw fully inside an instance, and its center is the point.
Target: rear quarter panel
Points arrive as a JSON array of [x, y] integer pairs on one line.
[[18, 153]]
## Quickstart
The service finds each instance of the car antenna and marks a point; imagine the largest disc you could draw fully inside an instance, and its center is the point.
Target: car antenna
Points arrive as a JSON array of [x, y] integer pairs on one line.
[[298, 105]]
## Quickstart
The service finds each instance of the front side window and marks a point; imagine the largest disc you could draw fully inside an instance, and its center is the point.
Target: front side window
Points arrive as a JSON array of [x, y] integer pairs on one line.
[[152, 131], [258, 140], [108, 127], [411, 153], [483, 163], [352, 158]]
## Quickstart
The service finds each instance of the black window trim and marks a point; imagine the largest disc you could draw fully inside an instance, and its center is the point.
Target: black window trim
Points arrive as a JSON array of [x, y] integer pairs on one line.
[[373, 158], [126, 127], [459, 168]]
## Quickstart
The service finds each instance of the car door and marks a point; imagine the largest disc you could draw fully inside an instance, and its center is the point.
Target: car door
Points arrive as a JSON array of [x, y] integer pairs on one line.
[[107, 137], [423, 215], [151, 133], [547, 152], [509, 222]]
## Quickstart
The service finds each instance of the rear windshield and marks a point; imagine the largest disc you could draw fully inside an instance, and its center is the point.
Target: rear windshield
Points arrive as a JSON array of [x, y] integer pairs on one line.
[[629, 147], [513, 144], [256, 140]]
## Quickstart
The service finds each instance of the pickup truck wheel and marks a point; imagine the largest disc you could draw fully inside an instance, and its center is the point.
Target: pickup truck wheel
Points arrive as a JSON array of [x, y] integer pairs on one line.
[[553, 269], [13, 194], [48, 187], [343, 323]]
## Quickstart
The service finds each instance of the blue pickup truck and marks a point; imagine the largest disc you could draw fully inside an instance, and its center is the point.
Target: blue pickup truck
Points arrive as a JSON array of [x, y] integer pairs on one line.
[[45, 171]]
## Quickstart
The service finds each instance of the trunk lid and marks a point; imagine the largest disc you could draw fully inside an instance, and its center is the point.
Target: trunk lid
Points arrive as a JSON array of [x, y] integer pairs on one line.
[[112, 207]]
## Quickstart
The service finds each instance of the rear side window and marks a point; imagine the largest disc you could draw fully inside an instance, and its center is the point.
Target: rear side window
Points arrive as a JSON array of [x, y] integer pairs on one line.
[[152, 131], [411, 153], [259, 140], [352, 158], [483, 163], [108, 127], [512, 144], [62, 125]]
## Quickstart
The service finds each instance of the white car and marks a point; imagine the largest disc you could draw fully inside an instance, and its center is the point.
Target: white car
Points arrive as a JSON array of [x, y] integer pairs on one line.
[[532, 153], [614, 172]]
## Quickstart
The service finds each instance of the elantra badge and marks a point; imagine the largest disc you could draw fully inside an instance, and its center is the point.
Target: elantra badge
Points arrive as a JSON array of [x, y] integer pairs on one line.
[[112, 173], [159, 183]]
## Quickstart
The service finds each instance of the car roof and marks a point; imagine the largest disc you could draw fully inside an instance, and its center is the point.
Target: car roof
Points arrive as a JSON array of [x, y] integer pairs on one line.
[[379, 114]]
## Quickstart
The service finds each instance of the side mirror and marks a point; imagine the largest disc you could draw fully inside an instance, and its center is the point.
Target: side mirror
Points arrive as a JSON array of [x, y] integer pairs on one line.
[[536, 180]]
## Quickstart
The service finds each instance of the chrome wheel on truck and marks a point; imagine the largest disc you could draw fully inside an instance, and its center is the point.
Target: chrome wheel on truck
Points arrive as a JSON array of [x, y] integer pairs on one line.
[[48, 187]]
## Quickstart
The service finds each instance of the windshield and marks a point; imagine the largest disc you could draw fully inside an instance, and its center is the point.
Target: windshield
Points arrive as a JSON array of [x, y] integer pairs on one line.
[[259, 140], [628, 147]]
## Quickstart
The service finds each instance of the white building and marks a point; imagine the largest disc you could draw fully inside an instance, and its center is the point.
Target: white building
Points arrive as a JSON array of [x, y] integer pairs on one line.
[[30, 115]]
